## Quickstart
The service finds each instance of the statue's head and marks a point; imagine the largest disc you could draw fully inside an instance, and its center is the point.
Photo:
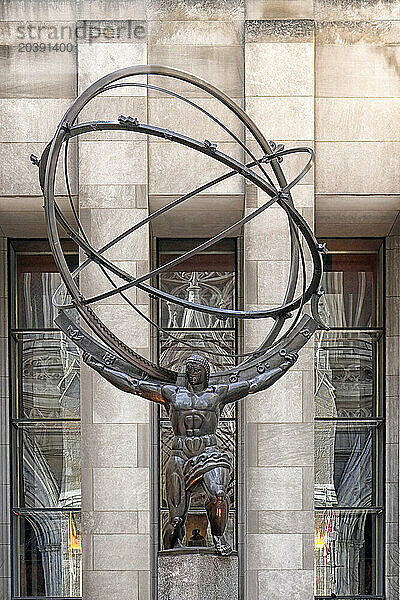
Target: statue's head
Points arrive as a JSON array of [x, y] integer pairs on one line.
[[197, 370]]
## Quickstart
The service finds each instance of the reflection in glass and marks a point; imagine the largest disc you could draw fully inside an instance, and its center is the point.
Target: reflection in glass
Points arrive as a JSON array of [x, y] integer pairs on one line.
[[345, 552], [49, 553], [37, 290], [207, 278], [49, 369], [226, 437], [350, 290], [344, 468], [198, 520], [229, 411], [50, 465], [345, 374], [173, 354], [37, 281], [211, 288]]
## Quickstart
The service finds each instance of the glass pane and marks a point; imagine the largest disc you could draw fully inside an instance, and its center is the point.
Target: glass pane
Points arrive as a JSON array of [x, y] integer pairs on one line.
[[205, 278], [49, 370], [212, 288], [166, 439], [226, 440], [345, 374], [173, 354], [37, 281], [50, 465], [36, 291], [345, 473], [49, 553], [345, 552], [198, 520], [350, 284]]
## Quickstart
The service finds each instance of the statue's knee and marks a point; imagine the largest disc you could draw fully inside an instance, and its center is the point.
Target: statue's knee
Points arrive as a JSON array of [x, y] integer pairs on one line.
[[221, 496], [218, 497]]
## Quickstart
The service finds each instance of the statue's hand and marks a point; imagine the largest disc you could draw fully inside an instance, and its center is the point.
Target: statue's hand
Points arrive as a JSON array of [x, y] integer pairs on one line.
[[87, 358], [134, 383], [90, 360], [290, 360]]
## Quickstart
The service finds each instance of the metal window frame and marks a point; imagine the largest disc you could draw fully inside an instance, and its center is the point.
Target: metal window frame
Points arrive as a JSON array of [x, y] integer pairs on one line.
[[380, 421], [15, 460]]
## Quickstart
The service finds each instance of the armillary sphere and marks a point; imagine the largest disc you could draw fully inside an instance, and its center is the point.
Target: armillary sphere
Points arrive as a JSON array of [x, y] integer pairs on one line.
[[110, 349]]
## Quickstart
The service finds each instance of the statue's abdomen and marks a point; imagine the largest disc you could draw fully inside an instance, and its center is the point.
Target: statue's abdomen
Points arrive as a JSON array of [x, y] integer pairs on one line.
[[193, 423]]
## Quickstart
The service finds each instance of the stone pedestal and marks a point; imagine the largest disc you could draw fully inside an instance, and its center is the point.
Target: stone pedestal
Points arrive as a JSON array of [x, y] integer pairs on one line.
[[197, 575]]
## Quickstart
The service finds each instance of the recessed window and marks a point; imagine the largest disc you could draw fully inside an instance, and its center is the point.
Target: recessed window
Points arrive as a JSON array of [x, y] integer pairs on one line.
[[208, 278], [349, 424], [45, 425]]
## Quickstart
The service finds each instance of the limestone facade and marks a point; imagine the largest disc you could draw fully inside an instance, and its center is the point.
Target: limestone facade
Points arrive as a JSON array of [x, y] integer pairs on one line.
[[321, 73]]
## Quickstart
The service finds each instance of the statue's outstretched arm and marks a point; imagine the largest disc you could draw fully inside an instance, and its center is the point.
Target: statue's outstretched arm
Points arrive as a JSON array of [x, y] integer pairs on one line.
[[146, 389], [268, 378], [239, 390]]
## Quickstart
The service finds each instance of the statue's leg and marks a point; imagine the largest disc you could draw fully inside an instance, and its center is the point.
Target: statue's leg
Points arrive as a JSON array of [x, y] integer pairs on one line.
[[178, 504], [215, 483]]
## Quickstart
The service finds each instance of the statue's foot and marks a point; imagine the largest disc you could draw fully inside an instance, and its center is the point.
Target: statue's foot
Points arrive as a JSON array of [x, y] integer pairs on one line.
[[221, 546]]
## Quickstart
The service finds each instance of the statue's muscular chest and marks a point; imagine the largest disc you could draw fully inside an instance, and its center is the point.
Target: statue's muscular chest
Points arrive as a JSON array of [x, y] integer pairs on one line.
[[184, 400], [193, 413]]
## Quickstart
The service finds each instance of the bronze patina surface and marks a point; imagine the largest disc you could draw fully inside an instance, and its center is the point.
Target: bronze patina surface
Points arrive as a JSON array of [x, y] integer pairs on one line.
[[194, 410], [194, 398]]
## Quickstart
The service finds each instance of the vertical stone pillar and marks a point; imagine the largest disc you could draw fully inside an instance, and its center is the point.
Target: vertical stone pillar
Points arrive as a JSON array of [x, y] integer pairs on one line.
[[5, 570], [115, 425], [279, 422], [392, 409]]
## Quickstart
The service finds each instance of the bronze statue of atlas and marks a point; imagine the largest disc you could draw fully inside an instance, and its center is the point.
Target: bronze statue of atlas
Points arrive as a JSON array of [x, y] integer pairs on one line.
[[193, 398]]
